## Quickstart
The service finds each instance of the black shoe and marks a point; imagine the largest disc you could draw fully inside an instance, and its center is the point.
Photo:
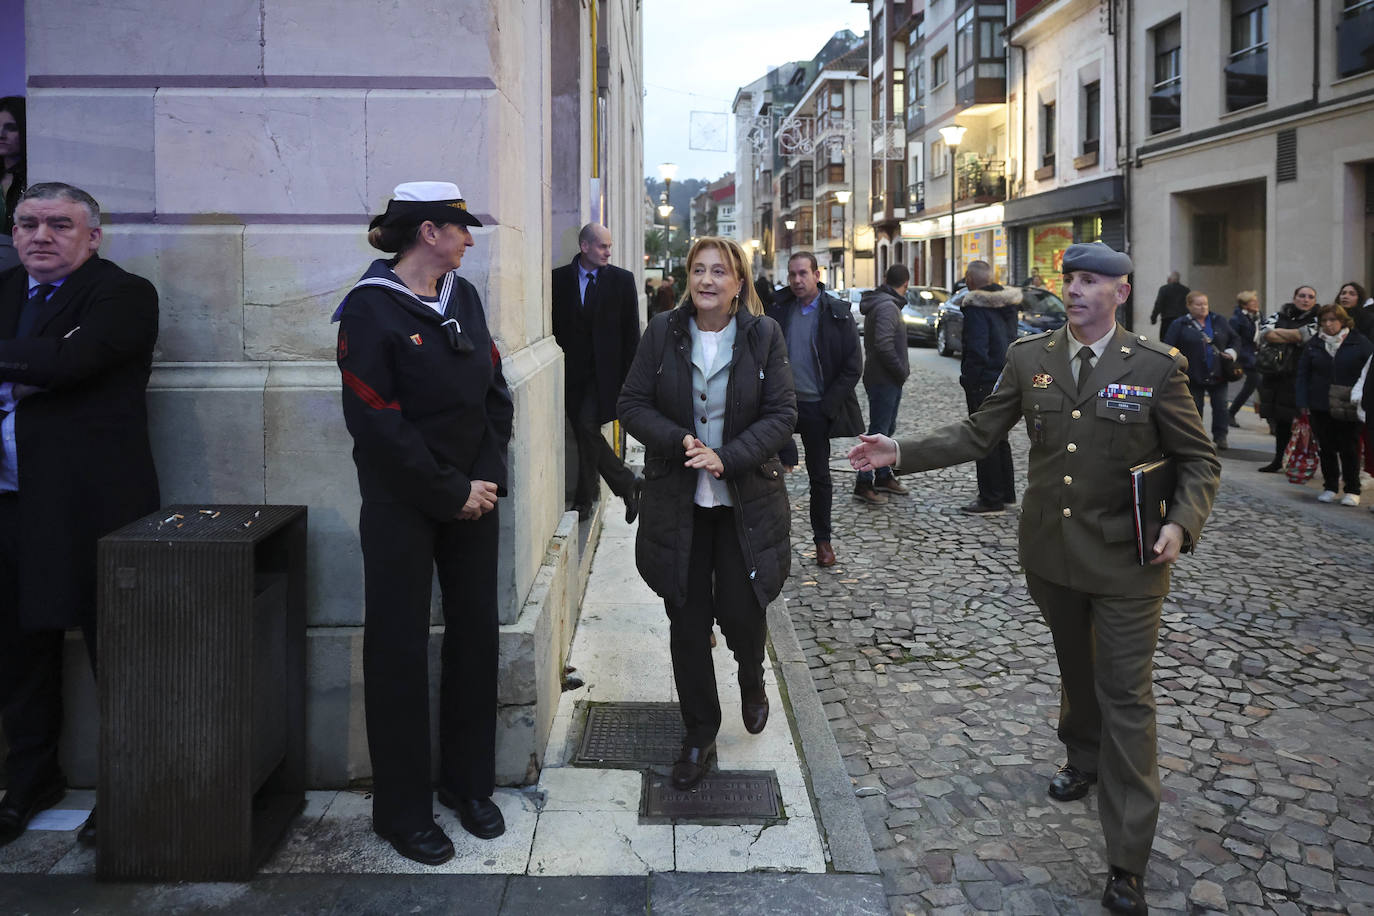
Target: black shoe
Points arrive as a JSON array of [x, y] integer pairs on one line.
[[1070, 783], [1272, 467], [18, 808], [978, 507], [1125, 892], [479, 816], [632, 501], [692, 764], [1221, 444], [87, 835], [754, 709], [430, 846], [1231, 421]]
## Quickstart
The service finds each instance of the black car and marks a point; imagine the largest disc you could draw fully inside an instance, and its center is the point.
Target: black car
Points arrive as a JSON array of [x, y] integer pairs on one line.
[[922, 303], [1041, 310]]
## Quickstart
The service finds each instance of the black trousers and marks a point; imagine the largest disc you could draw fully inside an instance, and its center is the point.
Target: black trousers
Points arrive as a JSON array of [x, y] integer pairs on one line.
[[718, 589], [30, 673], [402, 547], [996, 476], [594, 454], [1250, 385], [814, 429], [1216, 392], [1338, 446]]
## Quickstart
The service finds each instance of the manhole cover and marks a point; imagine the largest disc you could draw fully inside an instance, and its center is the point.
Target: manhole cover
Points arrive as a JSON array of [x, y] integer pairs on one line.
[[630, 736], [724, 797]]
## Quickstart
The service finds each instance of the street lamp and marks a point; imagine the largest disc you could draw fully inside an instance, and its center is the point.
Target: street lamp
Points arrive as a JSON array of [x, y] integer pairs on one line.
[[665, 210], [753, 253], [789, 225], [953, 135], [842, 198]]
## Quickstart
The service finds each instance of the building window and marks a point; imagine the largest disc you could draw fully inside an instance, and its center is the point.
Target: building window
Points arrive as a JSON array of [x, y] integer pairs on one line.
[[1209, 239], [1047, 141], [979, 48], [1166, 97], [939, 69], [1092, 116], [916, 88], [939, 158], [1247, 69], [963, 40], [898, 91], [1355, 38]]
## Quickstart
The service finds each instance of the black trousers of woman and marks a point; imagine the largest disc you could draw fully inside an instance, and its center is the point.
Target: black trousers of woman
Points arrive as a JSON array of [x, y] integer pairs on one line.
[[402, 547], [1338, 447], [718, 589]]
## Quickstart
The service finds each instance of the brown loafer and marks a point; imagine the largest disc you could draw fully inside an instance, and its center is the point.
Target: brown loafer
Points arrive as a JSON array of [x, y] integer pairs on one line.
[[825, 554]]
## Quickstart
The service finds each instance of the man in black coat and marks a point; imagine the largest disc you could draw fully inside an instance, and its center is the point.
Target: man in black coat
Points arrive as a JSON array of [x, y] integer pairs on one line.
[[1170, 303], [991, 313], [827, 361], [596, 322], [76, 348]]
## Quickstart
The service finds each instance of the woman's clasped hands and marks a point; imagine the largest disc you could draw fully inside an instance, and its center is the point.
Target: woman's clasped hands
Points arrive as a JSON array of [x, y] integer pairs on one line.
[[701, 456]]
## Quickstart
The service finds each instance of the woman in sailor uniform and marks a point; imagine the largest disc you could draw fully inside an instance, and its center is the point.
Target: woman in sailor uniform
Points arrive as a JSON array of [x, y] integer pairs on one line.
[[430, 415]]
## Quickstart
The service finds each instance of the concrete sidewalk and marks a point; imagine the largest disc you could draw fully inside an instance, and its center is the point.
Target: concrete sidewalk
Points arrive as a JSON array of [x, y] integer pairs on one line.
[[575, 842]]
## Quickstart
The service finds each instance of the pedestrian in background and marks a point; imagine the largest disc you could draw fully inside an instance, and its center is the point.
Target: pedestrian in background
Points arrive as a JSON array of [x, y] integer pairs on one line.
[[1245, 325], [1096, 399], [430, 414], [1170, 303], [710, 396], [1330, 367], [763, 288], [827, 362], [991, 314], [1358, 306], [596, 322], [1281, 338], [665, 297], [13, 171], [1202, 338], [886, 368]]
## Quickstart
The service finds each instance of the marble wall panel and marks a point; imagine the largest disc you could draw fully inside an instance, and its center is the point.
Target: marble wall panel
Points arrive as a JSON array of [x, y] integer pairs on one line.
[[101, 140]]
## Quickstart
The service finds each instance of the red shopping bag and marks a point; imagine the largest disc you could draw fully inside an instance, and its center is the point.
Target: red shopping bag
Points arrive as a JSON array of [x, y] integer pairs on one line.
[[1300, 458]]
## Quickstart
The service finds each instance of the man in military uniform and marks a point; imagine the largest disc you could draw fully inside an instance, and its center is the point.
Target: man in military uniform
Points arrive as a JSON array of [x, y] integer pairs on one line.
[[1097, 401]]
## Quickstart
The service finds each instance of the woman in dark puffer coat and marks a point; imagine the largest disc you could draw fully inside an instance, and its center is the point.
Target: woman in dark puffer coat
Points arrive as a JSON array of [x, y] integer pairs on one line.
[[710, 395]]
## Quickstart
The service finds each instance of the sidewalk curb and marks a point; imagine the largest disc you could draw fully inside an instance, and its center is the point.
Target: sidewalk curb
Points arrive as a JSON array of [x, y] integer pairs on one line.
[[837, 809]]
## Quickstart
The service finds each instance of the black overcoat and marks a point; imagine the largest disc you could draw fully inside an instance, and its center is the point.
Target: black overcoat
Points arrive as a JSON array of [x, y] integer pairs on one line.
[[614, 334], [839, 356], [85, 465], [760, 412]]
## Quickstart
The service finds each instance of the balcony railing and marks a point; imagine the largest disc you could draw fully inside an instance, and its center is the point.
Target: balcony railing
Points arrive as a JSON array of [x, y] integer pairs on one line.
[[981, 181], [916, 197], [878, 200]]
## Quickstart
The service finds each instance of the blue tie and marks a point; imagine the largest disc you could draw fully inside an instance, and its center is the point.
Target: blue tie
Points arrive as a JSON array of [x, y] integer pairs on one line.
[[28, 315]]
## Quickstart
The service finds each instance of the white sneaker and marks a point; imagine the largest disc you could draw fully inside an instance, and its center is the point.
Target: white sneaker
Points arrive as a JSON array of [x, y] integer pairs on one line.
[[1350, 499], [1328, 496]]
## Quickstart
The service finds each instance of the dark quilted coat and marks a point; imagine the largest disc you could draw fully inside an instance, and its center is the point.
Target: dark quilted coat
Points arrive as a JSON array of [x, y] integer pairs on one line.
[[655, 407]]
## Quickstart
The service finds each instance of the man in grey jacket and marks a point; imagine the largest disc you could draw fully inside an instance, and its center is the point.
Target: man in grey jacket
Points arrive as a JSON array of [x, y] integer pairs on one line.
[[885, 371]]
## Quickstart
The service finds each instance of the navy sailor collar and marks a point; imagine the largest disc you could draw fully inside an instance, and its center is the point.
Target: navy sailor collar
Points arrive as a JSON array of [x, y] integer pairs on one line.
[[381, 274]]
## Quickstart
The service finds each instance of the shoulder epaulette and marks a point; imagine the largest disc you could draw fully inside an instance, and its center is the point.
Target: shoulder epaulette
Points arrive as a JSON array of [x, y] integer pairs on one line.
[[1029, 337], [1155, 346]]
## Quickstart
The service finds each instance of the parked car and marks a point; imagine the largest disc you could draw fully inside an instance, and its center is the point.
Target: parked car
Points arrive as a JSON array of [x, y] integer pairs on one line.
[[922, 303], [1041, 310], [853, 295]]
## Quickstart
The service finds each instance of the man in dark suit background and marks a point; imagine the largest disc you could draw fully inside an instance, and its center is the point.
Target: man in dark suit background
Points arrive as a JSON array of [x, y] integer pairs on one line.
[[1170, 302], [596, 322], [76, 348]]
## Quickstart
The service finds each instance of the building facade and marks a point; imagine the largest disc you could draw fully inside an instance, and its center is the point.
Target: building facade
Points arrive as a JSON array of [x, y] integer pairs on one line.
[[238, 151], [1250, 128]]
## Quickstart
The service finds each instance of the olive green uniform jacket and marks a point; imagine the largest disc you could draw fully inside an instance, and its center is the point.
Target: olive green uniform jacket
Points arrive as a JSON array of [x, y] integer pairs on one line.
[[1077, 525]]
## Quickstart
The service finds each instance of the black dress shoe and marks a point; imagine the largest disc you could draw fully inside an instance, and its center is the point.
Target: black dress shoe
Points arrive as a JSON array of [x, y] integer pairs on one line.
[[87, 835], [18, 808], [1070, 783], [1125, 892], [754, 709], [1272, 467], [479, 816], [632, 501], [692, 764], [430, 846]]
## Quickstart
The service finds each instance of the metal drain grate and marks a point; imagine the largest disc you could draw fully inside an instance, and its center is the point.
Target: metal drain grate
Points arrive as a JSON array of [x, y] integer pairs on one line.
[[721, 797], [630, 736]]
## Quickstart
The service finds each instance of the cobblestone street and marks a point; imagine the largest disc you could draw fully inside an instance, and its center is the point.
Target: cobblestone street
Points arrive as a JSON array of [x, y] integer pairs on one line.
[[941, 686]]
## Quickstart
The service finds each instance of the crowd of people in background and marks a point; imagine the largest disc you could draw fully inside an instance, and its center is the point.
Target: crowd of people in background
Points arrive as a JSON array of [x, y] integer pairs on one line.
[[1309, 362]]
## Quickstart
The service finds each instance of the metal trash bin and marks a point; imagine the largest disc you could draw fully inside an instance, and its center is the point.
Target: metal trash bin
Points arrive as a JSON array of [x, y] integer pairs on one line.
[[202, 691]]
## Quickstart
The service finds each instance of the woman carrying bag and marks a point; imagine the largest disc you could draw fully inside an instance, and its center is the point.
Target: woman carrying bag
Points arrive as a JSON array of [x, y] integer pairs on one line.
[[1330, 367]]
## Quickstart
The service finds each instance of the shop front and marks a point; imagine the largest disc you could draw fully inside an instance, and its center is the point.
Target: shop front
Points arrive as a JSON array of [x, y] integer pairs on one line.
[[1040, 228], [978, 237]]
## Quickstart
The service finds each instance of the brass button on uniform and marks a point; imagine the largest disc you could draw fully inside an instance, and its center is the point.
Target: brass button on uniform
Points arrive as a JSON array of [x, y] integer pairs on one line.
[[1067, 480], [1076, 414], [1072, 447], [1068, 513]]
